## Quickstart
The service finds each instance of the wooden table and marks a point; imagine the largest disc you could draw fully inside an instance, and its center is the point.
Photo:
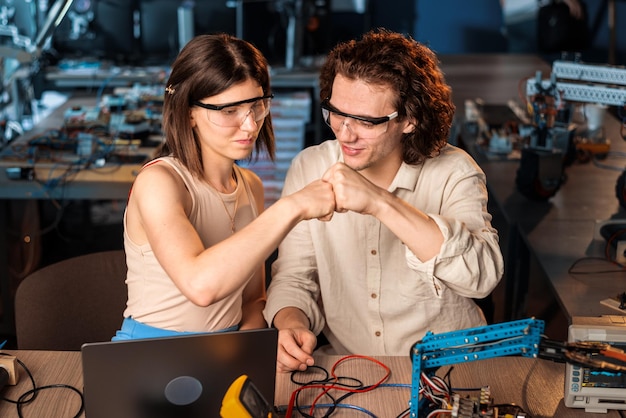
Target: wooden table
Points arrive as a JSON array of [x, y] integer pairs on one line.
[[47, 368], [535, 385]]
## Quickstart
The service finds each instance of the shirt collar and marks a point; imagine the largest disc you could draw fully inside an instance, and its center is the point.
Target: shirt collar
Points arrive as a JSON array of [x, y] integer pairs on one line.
[[406, 177]]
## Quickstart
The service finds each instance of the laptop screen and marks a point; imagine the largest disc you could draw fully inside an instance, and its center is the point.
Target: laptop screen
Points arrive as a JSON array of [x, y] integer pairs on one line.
[[184, 376]]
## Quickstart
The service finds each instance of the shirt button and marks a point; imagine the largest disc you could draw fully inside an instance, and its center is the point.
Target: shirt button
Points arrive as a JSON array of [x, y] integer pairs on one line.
[[377, 333], [374, 295], [373, 252]]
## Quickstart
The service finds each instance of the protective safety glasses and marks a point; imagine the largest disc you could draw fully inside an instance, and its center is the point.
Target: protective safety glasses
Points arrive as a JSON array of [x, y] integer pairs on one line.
[[232, 115], [361, 126]]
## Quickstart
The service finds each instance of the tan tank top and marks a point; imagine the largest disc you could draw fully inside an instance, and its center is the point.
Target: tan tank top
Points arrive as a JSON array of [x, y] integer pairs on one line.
[[152, 296]]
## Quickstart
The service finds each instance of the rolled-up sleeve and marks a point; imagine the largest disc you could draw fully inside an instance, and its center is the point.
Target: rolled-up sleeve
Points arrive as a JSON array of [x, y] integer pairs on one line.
[[470, 261]]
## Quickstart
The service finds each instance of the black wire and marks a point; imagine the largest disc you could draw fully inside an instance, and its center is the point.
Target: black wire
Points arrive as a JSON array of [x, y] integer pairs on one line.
[[327, 379], [403, 413], [30, 395], [448, 376], [334, 402], [575, 263], [295, 372], [36, 390]]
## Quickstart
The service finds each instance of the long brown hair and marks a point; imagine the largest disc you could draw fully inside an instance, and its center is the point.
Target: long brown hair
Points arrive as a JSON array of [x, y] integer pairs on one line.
[[206, 66]]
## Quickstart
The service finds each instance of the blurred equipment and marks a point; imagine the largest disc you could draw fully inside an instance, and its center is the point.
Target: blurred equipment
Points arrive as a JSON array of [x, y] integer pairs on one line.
[[552, 102], [23, 48], [356, 6], [297, 29], [559, 30], [294, 12], [185, 23], [543, 159], [20, 62], [88, 32], [81, 16]]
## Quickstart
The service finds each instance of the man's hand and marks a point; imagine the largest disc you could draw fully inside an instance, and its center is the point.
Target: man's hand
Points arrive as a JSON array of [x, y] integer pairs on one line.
[[352, 191], [295, 349], [295, 341]]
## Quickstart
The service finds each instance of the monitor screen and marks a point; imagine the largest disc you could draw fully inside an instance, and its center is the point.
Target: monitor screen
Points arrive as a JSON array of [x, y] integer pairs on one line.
[[602, 378], [160, 37], [158, 31], [101, 29], [212, 16]]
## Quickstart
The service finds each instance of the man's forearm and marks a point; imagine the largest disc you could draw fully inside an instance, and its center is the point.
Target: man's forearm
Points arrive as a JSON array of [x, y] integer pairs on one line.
[[291, 318]]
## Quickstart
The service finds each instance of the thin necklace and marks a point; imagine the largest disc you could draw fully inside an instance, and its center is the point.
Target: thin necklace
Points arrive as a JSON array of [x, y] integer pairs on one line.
[[231, 217]]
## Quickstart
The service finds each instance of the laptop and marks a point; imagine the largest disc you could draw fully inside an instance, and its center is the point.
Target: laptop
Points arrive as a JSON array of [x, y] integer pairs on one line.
[[183, 376]]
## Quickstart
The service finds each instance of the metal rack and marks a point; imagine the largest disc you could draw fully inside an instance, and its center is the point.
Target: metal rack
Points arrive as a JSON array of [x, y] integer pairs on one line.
[[606, 88]]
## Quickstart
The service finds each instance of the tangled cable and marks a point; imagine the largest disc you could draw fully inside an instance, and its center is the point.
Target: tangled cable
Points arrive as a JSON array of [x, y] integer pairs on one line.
[[437, 392], [327, 384]]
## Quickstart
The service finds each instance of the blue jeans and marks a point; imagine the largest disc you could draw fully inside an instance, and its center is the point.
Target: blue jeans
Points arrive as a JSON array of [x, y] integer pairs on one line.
[[134, 330]]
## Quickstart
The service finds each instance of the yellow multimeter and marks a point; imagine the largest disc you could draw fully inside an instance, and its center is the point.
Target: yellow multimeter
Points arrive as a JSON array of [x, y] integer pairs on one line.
[[243, 400]]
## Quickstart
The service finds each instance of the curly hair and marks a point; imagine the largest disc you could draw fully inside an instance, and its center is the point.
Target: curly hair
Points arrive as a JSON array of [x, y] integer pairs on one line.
[[396, 61], [206, 66]]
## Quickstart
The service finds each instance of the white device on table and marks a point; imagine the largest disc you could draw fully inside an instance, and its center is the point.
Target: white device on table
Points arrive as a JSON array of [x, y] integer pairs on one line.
[[596, 390]]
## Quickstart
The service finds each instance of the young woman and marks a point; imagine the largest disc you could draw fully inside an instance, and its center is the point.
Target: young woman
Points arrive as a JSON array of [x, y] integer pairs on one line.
[[195, 233]]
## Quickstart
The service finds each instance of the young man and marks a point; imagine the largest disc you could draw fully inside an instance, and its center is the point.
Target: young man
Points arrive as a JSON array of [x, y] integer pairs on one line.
[[410, 243]]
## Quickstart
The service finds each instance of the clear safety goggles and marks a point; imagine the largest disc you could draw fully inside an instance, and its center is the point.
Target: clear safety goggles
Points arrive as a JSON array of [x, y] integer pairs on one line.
[[361, 126], [233, 115]]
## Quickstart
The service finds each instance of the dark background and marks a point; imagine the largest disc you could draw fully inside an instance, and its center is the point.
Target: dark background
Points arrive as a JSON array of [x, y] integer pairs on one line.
[[145, 31]]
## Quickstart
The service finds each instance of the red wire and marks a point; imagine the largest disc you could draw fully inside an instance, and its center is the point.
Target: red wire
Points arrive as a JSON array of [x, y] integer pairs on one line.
[[328, 387], [614, 353]]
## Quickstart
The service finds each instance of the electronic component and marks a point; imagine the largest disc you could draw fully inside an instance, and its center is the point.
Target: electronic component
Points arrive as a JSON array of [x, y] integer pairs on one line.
[[596, 390], [473, 407], [83, 118], [129, 125], [20, 173], [596, 360], [86, 144], [598, 86], [520, 338], [114, 102], [244, 400]]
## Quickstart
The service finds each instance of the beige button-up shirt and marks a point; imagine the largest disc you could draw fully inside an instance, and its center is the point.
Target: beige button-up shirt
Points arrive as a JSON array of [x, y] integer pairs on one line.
[[360, 285]]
